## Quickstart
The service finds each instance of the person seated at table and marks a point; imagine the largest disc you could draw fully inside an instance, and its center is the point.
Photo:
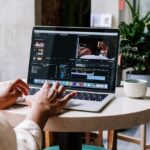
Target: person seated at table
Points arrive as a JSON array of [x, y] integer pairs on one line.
[[103, 48], [45, 103], [97, 50]]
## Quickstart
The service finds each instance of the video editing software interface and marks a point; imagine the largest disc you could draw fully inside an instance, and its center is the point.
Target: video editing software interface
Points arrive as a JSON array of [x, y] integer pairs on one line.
[[77, 59]]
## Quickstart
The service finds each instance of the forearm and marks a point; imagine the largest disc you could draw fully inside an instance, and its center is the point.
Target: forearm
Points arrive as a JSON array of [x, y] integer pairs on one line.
[[6, 103], [2, 104]]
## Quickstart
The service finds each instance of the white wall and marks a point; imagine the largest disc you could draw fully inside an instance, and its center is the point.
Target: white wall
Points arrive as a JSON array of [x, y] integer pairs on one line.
[[144, 7], [17, 18], [107, 6], [125, 14]]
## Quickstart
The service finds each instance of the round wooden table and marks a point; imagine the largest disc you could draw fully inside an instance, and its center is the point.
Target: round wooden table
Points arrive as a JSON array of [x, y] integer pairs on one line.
[[121, 113]]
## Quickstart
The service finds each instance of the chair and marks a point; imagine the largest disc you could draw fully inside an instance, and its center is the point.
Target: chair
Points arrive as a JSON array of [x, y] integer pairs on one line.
[[49, 140], [114, 135], [98, 139], [94, 138], [141, 140]]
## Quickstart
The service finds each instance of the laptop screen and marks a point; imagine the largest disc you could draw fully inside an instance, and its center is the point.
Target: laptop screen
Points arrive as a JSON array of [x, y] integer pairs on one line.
[[78, 58]]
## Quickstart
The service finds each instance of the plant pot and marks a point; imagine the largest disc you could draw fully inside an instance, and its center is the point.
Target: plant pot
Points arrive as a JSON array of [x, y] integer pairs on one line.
[[139, 76]]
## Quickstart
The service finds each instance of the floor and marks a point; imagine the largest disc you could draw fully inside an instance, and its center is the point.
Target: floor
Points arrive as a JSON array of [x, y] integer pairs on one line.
[[123, 145]]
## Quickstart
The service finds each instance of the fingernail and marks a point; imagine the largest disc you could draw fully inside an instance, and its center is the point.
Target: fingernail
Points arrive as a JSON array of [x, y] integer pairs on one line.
[[46, 81]]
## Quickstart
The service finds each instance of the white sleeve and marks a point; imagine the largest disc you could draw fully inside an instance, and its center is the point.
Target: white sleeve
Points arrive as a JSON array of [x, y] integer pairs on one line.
[[7, 135], [28, 136]]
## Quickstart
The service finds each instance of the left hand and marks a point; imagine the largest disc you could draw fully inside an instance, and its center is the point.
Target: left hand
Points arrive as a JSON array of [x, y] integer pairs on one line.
[[10, 93]]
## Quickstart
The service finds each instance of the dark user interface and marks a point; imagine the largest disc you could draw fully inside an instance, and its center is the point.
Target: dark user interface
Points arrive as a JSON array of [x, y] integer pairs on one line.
[[76, 60]]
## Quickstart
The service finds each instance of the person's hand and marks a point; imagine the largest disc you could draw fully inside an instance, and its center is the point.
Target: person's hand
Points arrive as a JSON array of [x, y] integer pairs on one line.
[[84, 51], [10, 92], [50, 98], [48, 101]]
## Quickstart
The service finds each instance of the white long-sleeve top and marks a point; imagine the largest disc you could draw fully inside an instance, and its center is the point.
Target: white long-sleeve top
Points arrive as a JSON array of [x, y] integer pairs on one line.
[[26, 136]]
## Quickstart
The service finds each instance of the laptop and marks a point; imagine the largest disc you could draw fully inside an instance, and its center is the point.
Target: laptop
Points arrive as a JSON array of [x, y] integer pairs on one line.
[[80, 59]]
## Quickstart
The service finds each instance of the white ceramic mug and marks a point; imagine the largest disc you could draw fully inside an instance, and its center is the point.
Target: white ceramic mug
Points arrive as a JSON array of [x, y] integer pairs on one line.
[[135, 88]]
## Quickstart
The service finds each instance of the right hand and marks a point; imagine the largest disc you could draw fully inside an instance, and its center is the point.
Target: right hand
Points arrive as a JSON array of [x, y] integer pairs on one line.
[[48, 101], [50, 98]]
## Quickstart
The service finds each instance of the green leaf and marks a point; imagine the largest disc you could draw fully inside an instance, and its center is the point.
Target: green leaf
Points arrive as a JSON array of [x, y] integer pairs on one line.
[[131, 8], [135, 43]]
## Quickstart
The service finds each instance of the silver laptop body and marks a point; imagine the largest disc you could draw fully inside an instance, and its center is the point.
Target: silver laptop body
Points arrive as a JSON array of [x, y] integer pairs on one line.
[[81, 59]]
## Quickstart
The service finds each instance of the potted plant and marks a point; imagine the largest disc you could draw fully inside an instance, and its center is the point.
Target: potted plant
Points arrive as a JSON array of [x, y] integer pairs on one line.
[[135, 42]]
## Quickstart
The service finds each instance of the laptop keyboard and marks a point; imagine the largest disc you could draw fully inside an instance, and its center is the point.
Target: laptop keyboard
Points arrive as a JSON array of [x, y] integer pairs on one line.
[[32, 91], [80, 95], [89, 96]]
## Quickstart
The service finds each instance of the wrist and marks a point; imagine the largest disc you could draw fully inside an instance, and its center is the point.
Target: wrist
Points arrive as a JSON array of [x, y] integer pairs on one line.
[[4, 102], [39, 115]]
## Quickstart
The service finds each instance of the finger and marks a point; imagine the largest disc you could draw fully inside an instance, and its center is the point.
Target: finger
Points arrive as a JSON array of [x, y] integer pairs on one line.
[[16, 82], [20, 86], [21, 89], [17, 93], [61, 90], [54, 98], [45, 88], [67, 98], [55, 85], [46, 85], [51, 93], [23, 84]]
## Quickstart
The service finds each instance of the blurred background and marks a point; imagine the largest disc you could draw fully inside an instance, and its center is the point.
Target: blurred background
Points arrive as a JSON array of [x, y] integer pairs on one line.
[[17, 17]]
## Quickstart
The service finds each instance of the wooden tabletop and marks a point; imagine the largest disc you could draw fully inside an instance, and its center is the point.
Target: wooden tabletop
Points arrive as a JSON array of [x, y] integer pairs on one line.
[[122, 112]]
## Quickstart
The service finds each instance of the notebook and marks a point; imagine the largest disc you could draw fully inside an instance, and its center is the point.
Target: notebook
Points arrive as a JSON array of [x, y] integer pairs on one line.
[[80, 59]]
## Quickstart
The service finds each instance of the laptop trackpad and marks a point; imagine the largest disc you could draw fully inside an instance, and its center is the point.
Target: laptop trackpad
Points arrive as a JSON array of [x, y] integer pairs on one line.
[[85, 105]]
